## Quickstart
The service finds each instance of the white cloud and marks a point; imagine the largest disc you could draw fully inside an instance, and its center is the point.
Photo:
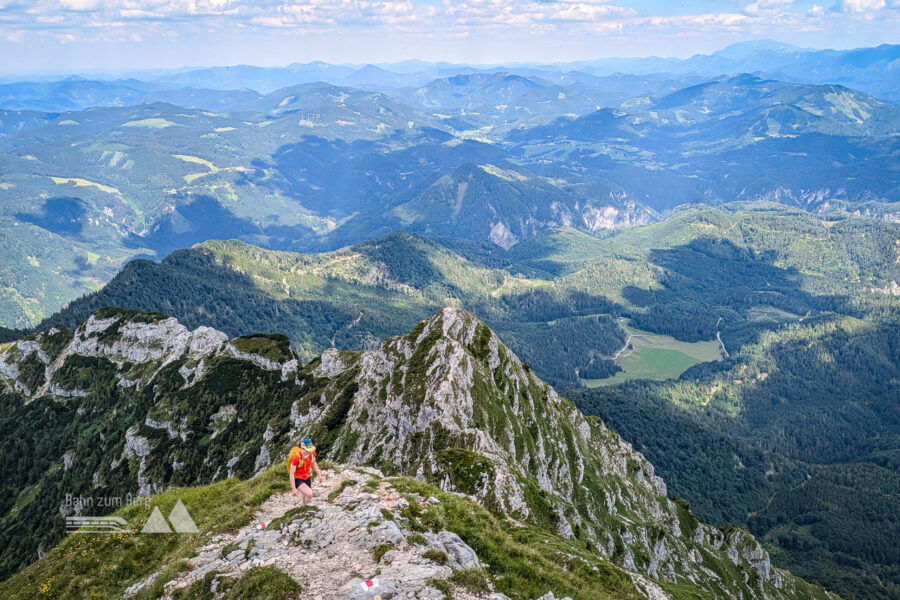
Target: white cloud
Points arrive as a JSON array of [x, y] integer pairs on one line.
[[816, 11], [494, 20], [858, 6], [79, 5], [765, 7]]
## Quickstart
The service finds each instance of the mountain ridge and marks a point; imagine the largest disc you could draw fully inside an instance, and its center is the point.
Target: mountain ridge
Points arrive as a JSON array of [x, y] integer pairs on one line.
[[464, 416], [318, 166]]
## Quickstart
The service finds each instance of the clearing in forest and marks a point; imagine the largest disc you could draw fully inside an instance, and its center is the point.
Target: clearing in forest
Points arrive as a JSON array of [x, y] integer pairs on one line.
[[648, 355]]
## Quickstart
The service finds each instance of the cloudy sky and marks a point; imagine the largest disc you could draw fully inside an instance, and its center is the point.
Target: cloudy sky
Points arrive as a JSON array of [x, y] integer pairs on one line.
[[95, 36]]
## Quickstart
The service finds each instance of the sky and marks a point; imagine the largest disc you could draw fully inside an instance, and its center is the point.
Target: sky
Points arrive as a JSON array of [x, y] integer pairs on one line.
[[115, 36]]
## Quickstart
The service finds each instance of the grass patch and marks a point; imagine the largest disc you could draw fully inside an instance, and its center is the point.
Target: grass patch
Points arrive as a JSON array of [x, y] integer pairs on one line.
[[78, 182], [264, 583], [333, 494], [228, 549], [157, 588], [135, 316], [519, 569], [442, 585], [475, 581], [381, 550], [658, 357], [154, 123], [308, 511], [436, 556], [102, 566], [271, 346]]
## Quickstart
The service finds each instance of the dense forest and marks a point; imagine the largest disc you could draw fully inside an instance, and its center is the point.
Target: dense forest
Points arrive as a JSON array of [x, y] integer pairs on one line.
[[796, 436]]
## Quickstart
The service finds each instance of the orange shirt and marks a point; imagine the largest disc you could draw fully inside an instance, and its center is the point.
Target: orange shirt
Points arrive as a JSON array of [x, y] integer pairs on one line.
[[303, 469]]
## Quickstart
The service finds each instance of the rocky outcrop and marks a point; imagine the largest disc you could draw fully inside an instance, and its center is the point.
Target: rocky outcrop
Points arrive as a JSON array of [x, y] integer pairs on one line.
[[344, 538], [502, 236], [131, 341], [890, 289], [142, 342], [625, 214]]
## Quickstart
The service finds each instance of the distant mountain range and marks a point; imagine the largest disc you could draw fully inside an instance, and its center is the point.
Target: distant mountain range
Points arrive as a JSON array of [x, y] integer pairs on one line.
[[493, 157], [873, 70]]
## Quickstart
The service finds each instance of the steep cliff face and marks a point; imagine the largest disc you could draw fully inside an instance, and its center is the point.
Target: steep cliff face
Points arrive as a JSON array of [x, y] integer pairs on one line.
[[484, 202], [448, 404]]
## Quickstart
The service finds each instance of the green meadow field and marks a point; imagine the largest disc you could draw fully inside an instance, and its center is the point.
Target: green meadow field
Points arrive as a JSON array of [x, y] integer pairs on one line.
[[650, 356]]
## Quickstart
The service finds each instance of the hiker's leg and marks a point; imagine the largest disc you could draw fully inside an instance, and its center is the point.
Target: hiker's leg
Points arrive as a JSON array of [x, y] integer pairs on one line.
[[306, 492]]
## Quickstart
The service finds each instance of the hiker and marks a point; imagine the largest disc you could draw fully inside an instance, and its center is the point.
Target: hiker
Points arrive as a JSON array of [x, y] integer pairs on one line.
[[301, 461]]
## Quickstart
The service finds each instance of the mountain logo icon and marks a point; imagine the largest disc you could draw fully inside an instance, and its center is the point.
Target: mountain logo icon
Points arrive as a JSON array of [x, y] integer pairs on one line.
[[180, 519]]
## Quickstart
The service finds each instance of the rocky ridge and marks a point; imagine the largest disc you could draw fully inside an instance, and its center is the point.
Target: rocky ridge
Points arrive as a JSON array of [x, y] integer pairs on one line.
[[328, 546], [447, 403]]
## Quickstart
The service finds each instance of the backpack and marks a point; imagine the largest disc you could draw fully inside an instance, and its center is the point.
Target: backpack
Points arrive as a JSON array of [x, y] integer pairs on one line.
[[295, 452]]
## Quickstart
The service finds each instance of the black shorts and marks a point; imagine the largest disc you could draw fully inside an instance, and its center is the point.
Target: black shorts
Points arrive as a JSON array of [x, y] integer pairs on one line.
[[307, 481]]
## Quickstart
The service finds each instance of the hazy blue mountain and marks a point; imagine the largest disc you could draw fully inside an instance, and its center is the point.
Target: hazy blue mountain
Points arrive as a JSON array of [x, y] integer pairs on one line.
[[873, 70], [260, 79], [727, 134], [318, 166], [72, 94], [492, 98], [506, 207]]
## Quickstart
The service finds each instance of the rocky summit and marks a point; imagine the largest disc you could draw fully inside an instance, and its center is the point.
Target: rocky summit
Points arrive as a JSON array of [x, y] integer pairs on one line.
[[432, 430]]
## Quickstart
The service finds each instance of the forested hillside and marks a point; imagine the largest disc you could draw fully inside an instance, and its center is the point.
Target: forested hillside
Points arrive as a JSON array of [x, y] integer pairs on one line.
[[797, 434]]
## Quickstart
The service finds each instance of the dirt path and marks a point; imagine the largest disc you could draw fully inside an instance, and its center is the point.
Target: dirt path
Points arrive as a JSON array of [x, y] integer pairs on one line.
[[623, 348], [346, 535], [719, 338], [721, 344], [350, 326]]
